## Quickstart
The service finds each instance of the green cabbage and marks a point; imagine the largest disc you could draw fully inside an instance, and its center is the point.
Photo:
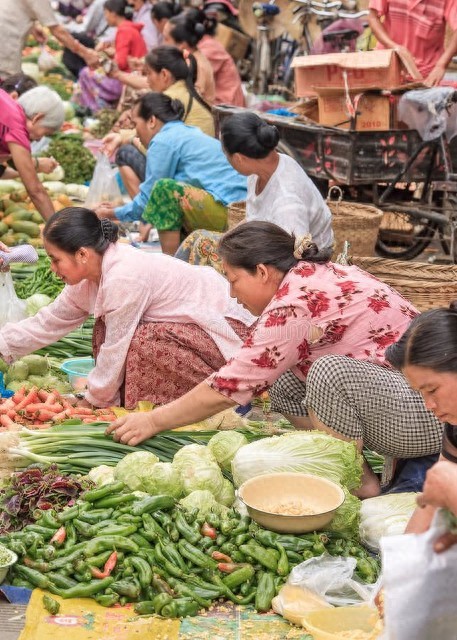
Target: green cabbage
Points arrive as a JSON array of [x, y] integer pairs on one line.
[[204, 501], [191, 452], [385, 515], [227, 494], [103, 474], [198, 469], [134, 469], [164, 479], [311, 452], [35, 302], [224, 445], [347, 517]]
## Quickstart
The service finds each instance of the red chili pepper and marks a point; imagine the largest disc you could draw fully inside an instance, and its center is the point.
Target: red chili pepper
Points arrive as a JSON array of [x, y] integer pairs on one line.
[[208, 531], [59, 536], [110, 564], [228, 567], [218, 555], [107, 569], [96, 573]]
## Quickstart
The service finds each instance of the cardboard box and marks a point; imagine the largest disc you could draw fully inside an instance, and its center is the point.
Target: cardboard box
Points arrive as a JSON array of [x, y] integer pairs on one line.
[[235, 43], [380, 69], [374, 112]]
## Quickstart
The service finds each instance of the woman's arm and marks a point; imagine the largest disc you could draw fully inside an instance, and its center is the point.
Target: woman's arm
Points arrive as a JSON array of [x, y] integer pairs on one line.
[[130, 79], [25, 166], [48, 325], [379, 30], [66, 39], [437, 73], [198, 404]]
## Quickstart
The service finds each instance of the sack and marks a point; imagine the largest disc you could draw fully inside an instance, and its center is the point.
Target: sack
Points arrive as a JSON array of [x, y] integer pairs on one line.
[[419, 585], [46, 61], [12, 309], [104, 186]]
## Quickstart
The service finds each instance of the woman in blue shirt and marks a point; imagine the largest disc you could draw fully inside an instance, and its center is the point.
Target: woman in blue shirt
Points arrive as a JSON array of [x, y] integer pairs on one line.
[[188, 182]]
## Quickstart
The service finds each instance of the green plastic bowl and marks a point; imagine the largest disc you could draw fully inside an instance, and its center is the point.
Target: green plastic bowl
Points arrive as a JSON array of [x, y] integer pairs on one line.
[[4, 568]]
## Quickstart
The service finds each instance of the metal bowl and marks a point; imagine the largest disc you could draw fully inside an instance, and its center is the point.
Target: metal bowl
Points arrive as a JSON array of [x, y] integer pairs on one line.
[[262, 493]]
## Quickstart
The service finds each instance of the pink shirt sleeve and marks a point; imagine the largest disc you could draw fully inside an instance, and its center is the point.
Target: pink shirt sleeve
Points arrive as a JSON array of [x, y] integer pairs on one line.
[[379, 5], [278, 341], [13, 125], [48, 325]]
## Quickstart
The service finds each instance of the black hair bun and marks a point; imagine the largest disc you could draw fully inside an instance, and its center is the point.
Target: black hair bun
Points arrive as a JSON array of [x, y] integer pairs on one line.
[[267, 135]]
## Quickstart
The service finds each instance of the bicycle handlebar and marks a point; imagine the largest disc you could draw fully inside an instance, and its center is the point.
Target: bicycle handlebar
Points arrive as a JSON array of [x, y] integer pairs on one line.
[[301, 12]]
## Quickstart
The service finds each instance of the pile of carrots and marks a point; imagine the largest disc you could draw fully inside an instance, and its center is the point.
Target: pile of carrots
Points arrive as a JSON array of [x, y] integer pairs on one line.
[[40, 408]]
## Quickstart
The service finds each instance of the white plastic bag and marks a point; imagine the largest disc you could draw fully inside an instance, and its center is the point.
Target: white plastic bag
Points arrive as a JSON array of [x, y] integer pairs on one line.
[[420, 586], [332, 577], [12, 309], [46, 61], [104, 186]]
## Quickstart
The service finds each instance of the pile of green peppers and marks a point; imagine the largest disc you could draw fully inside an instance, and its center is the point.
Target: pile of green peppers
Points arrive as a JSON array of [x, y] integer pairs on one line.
[[117, 548]]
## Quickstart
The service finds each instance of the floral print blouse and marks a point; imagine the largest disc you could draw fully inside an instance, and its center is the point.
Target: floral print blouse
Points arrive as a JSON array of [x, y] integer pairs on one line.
[[319, 309]]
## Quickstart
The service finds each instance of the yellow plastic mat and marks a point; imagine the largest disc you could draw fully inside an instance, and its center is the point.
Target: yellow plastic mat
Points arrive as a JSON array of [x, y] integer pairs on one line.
[[84, 619]]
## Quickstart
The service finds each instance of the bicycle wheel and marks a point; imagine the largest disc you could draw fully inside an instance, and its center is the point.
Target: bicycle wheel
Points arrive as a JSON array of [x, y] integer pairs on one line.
[[404, 236]]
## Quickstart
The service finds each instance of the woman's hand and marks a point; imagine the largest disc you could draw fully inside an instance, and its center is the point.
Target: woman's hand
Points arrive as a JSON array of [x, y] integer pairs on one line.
[[440, 490], [134, 428], [105, 210], [111, 143], [82, 402], [135, 64], [47, 165], [5, 268]]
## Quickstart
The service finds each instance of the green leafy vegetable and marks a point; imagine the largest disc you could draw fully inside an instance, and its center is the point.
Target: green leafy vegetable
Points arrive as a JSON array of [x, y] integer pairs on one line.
[[224, 445], [134, 469], [163, 479]]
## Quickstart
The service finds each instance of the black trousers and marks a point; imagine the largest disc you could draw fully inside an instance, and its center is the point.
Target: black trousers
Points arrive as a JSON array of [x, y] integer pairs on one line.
[[73, 62]]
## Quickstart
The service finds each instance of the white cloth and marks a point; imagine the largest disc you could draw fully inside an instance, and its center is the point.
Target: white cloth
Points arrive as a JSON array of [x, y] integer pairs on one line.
[[134, 287], [292, 201], [17, 18], [150, 33]]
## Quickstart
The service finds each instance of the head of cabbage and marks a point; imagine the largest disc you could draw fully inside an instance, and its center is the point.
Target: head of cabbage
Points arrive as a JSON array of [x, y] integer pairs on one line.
[[163, 479], [198, 469], [204, 501], [134, 469], [224, 444]]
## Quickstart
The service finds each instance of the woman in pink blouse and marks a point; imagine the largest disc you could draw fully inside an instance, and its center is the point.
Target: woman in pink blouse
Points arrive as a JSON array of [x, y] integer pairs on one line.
[[162, 326], [309, 309]]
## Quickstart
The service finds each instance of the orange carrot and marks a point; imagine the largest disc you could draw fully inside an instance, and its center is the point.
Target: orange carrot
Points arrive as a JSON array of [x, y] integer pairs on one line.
[[43, 395], [19, 395], [82, 411], [7, 405], [12, 414], [37, 406], [29, 398], [63, 415], [43, 415], [51, 399], [6, 421]]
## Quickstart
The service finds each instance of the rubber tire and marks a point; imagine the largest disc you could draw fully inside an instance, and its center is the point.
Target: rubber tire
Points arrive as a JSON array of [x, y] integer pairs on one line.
[[419, 241]]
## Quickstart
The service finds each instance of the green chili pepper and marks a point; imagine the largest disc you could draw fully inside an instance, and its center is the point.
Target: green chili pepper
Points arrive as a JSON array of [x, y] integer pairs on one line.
[[96, 515], [85, 590], [160, 601], [129, 587], [266, 591], [97, 545], [238, 577], [51, 605], [145, 607], [114, 501], [143, 570], [283, 562], [153, 503], [102, 492], [107, 599], [196, 557], [47, 519], [61, 581], [268, 558], [187, 532]]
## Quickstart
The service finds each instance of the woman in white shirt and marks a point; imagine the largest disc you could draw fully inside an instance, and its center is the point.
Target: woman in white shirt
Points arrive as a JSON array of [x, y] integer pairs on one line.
[[279, 191]]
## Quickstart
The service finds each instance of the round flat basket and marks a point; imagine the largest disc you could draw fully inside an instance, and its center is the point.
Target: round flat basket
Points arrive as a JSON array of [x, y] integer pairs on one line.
[[426, 286], [236, 213], [357, 223]]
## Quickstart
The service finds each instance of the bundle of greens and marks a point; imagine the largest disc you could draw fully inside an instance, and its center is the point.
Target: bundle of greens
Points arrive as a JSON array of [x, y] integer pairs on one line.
[[70, 152]]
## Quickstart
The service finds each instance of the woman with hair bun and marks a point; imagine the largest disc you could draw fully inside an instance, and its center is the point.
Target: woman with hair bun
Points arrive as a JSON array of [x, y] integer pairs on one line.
[[308, 308], [152, 340], [226, 77], [189, 181], [279, 191], [185, 32]]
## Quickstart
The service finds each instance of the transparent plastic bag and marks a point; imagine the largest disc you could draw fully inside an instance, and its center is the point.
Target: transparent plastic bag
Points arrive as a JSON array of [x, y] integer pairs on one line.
[[12, 309], [332, 577], [46, 61], [419, 585], [104, 186]]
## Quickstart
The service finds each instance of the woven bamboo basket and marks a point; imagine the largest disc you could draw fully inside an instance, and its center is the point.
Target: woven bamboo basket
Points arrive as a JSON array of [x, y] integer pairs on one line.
[[426, 286], [358, 224], [236, 213]]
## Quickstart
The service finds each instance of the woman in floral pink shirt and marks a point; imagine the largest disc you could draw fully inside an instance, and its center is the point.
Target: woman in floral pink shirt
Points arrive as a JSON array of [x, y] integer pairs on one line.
[[309, 309]]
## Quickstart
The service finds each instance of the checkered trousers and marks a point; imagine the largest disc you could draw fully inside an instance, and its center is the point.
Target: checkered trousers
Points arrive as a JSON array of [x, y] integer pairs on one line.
[[361, 400]]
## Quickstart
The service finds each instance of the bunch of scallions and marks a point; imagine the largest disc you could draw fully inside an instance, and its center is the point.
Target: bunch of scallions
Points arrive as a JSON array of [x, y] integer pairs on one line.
[[78, 448]]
